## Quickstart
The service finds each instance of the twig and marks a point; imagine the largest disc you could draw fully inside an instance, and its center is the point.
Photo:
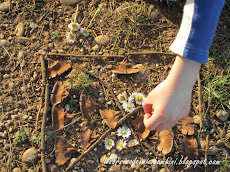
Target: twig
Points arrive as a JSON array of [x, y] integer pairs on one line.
[[206, 153], [134, 112], [199, 98], [73, 122], [100, 56], [10, 5], [149, 53], [43, 70], [75, 55], [7, 52], [10, 155], [44, 169], [46, 90]]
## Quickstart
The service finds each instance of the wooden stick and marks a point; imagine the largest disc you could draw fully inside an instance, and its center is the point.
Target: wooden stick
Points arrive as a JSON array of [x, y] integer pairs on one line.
[[79, 55], [134, 112], [43, 70], [199, 98], [45, 89], [44, 169], [206, 153], [149, 53]]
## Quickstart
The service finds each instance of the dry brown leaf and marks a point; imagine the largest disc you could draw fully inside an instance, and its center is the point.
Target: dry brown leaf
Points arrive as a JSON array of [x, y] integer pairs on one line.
[[189, 148], [59, 116], [62, 155], [187, 126], [87, 137], [57, 93], [57, 68], [140, 127], [87, 106], [125, 68], [110, 117], [166, 141]]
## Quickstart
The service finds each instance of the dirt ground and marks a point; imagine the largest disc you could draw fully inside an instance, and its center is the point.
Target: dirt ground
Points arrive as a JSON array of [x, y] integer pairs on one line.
[[53, 93]]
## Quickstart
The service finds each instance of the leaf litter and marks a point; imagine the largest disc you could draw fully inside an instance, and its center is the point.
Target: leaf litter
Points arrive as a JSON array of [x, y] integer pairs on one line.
[[87, 106], [110, 116], [56, 68]]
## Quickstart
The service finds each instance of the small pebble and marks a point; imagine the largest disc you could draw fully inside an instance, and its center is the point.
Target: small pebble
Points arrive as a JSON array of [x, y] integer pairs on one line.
[[30, 156], [12, 85], [7, 147], [6, 76], [103, 159], [113, 157], [222, 115], [96, 48]]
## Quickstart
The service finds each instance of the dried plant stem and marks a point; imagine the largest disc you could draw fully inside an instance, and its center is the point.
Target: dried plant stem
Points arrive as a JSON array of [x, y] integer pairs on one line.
[[76, 14], [199, 98], [134, 112], [206, 153], [101, 56], [45, 89], [44, 169], [79, 55], [43, 70]]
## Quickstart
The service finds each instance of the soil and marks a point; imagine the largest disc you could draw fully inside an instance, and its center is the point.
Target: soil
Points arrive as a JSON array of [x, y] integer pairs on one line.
[[145, 27]]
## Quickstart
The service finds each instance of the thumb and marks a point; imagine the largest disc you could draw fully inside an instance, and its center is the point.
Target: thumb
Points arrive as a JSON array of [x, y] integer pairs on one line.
[[152, 121]]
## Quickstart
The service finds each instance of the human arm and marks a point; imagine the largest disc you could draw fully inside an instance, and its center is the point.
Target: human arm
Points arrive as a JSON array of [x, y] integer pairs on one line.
[[171, 98]]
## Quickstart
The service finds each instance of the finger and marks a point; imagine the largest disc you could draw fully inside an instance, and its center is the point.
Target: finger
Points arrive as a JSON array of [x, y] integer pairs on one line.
[[147, 115], [147, 107], [152, 122]]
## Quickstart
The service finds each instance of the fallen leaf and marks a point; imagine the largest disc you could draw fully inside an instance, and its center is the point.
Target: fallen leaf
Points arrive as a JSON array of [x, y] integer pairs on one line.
[[189, 148], [140, 127], [166, 141], [125, 68], [59, 117], [186, 125], [110, 117], [62, 155], [57, 93], [87, 106], [87, 137], [57, 68]]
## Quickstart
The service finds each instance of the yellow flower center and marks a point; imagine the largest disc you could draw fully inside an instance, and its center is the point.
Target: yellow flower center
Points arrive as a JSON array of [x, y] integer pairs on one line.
[[139, 98], [133, 143], [122, 98], [74, 25], [71, 36], [85, 31], [128, 106], [120, 145], [110, 144], [123, 132], [134, 96]]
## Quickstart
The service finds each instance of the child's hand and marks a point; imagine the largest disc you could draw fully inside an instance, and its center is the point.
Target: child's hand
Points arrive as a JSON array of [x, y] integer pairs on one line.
[[171, 99], [170, 105]]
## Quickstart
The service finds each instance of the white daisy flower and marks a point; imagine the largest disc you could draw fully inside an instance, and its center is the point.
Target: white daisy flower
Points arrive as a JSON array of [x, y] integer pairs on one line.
[[140, 98], [132, 97], [70, 37], [124, 132], [109, 143], [84, 32], [74, 26], [133, 142], [128, 106], [121, 144], [122, 97]]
